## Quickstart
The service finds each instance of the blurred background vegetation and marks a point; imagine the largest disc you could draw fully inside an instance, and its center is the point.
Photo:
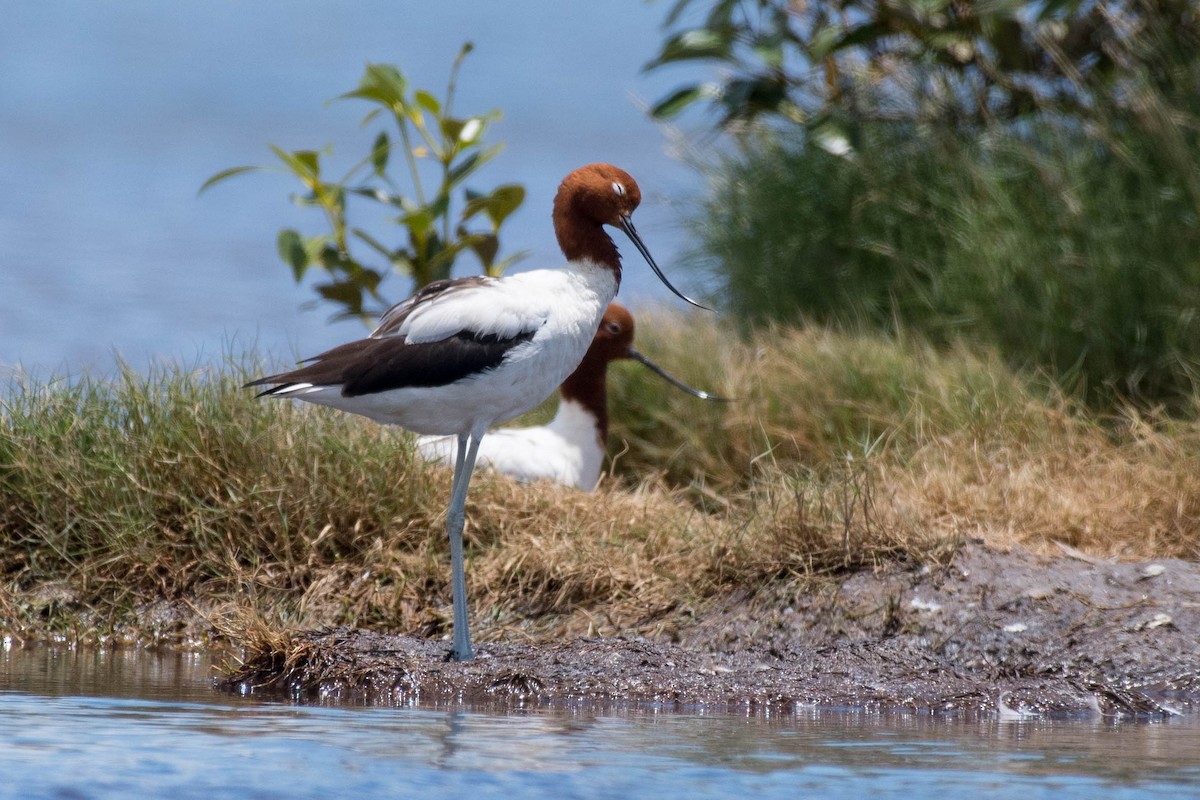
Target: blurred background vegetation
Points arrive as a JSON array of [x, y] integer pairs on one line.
[[1018, 175]]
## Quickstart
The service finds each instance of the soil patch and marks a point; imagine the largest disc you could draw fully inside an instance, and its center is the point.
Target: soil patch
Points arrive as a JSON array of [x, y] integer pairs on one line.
[[992, 632]]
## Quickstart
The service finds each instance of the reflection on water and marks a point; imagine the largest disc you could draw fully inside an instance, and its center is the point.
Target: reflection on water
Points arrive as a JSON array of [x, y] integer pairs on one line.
[[109, 724]]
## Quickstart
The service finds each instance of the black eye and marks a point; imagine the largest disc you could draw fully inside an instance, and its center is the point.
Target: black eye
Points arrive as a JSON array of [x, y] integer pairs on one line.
[[613, 328]]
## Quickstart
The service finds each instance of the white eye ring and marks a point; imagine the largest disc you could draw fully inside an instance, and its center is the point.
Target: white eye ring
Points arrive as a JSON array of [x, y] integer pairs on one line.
[[619, 189]]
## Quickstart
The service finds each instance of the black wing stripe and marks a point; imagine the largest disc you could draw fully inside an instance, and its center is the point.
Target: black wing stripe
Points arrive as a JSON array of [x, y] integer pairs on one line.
[[432, 363], [369, 366]]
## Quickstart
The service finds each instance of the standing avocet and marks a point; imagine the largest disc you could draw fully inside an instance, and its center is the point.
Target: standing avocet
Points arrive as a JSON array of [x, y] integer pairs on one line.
[[570, 448], [462, 355]]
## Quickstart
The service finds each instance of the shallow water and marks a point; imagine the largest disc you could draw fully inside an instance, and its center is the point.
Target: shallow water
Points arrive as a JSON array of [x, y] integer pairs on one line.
[[92, 724]]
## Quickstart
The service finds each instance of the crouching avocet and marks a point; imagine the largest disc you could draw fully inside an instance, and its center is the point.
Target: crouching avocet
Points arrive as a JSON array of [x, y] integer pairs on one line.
[[570, 448], [462, 355]]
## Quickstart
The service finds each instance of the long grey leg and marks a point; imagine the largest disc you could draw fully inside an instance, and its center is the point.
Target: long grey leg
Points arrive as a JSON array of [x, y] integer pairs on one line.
[[463, 467]]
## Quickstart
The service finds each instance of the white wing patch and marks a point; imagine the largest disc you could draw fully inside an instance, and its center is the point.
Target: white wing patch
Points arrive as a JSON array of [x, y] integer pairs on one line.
[[498, 309]]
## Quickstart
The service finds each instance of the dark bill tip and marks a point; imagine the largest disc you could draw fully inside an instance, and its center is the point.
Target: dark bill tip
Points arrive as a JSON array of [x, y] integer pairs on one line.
[[678, 384], [631, 232]]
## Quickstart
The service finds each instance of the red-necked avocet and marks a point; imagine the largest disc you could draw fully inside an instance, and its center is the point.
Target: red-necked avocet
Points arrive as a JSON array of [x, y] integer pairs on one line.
[[464, 354], [570, 448]]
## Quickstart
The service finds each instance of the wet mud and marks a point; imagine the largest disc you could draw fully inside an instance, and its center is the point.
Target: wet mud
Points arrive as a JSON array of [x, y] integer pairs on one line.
[[996, 633]]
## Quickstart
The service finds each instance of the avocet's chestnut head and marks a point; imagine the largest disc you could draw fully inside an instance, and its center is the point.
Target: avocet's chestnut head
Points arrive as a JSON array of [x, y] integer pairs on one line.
[[588, 199], [614, 337], [614, 341], [599, 193]]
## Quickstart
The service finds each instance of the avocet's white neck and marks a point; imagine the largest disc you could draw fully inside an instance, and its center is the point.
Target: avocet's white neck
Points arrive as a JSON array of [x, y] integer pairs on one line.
[[599, 279]]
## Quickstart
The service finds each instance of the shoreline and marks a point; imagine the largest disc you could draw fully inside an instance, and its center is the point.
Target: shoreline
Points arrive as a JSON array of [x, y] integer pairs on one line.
[[993, 632]]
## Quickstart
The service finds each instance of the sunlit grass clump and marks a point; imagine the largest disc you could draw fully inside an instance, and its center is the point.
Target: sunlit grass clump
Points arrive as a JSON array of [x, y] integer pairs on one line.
[[178, 484], [139, 503]]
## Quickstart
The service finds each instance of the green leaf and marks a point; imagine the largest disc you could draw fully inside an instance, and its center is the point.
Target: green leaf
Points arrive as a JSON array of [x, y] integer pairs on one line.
[[304, 164], [944, 41], [721, 15], [418, 222], [368, 279], [745, 98], [402, 262], [498, 205], [677, 101], [440, 257], [343, 293], [383, 84], [334, 260], [335, 198], [428, 102], [371, 241], [486, 246], [310, 160], [828, 39], [226, 173], [463, 168], [308, 199], [693, 44], [291, 249], [452, 128], [471, 163], [440, 205], [380, 152]]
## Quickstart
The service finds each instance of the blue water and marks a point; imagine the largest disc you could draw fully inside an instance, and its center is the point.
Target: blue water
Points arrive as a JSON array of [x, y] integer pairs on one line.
[[113, 114], [109, 724]]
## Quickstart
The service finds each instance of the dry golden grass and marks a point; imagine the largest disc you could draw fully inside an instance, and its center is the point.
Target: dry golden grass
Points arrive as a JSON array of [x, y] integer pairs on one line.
[[841, 453], [961, 445], [1134, 493]]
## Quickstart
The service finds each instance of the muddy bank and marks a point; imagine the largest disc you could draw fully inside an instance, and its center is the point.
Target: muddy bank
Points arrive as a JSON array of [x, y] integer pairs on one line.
[[992, 632]]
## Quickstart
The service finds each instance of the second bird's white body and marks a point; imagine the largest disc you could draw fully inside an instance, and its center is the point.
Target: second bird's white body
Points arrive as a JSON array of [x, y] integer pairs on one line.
[[567, 450]]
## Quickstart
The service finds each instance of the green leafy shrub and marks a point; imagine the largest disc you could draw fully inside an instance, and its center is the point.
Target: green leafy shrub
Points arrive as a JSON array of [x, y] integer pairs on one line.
[[435, 234], [1021, 174], [1061, 254]]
